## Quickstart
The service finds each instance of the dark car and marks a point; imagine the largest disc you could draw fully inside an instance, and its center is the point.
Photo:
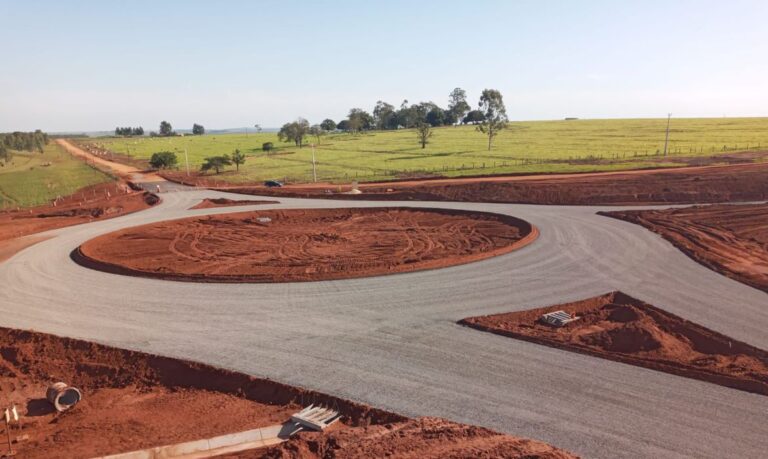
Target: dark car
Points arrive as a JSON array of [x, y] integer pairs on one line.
[[272, 184]]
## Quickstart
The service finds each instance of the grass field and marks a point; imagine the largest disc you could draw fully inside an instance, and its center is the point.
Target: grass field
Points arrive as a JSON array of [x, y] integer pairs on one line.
[[32, 179], [526, 147]]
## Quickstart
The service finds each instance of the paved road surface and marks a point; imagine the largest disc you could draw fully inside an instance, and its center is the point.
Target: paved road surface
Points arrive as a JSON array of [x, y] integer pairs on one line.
[[392, 341]]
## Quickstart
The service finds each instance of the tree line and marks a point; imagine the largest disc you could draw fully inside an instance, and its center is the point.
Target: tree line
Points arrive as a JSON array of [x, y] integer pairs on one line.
[[129, 131], [166, 130], [22, 141], [490, 117]]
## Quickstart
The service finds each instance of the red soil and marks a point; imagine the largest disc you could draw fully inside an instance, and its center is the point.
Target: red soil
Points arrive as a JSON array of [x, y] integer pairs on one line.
[[422, 438], [305, 245], [97, 202], [133, 400], [618, 327], [224, 202], [740, 182], [732, 240]]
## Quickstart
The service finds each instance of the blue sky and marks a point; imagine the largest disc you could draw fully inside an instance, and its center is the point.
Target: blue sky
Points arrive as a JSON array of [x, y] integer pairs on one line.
[[83, 65]]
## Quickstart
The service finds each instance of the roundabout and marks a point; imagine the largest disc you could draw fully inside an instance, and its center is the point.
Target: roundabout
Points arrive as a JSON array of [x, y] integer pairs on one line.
[[305, 245], [393, 341]]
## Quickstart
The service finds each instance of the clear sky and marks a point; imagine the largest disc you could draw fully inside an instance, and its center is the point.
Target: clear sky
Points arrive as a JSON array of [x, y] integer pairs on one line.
[[86, 66]]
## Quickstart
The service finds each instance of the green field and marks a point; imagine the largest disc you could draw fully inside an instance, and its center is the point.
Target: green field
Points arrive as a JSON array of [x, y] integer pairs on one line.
[[31, 179], [526, 147]]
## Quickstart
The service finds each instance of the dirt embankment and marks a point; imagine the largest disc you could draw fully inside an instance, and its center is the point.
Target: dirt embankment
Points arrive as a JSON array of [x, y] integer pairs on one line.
[[423, 438], [95, 202], [618, 327], [133, 400], [730, 239], [711, 184], [305, 245], [209, 203]]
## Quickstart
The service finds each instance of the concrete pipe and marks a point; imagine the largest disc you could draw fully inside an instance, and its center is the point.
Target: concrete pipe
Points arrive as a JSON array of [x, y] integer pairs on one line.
[[62, 396]]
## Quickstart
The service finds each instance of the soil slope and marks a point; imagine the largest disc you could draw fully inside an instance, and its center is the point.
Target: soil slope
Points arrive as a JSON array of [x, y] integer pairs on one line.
[[133, 400], [305, 245], [732, 240], [618, 327], [95, 202], [422, 438], [709, 184]]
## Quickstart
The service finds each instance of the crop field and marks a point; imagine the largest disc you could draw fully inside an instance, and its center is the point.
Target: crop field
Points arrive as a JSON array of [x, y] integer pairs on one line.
[[526, 147], [31, 179]]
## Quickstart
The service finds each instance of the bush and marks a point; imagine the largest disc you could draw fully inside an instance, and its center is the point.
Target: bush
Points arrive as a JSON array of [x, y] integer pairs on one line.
[[267, 146], [163, 160]]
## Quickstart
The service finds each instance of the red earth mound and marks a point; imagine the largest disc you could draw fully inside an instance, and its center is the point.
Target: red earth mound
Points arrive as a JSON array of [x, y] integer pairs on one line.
[[95, 202], [224, 202], [305, 245], [618, 327], [730, 239], [740, 182], [423, 438], [133, 400]]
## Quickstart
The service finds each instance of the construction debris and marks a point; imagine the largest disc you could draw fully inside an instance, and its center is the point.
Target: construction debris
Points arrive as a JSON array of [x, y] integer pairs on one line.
[[558, 318], [316, 417]]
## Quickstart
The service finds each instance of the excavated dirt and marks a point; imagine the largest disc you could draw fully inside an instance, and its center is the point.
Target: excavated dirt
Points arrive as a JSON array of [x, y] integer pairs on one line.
[[208, 203], [133, 400], [305, 245], [730, 239], [422, 438], [618, 327], [707, 184], [97, 202]]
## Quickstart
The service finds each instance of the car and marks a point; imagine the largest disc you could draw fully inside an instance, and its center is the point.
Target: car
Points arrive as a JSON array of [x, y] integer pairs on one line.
[[272, 184]]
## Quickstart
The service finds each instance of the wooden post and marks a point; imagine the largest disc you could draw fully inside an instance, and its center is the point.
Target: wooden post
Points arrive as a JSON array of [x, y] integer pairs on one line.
[[666, 139], [8, 431]]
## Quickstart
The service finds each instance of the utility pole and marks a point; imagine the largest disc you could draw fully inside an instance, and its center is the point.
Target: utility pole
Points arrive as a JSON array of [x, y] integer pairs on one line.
[[314, 165], [666, 139]]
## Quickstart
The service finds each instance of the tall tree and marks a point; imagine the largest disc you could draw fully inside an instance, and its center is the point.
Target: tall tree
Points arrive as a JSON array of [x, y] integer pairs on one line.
[[359, 120], [198, 129], [294, 132], [238, 158], [166, 129], [328, 124], [494, 114], [435, 116], [384, 116], [317, 132], [423, 132], [457, 103]]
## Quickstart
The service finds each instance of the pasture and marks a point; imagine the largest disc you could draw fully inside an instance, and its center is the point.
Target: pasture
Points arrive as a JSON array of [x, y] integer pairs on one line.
[[31, 179], [525, 147]]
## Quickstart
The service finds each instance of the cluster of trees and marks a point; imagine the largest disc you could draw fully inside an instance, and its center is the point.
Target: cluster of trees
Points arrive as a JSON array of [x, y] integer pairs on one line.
[[166, 130], [217, 163], [129, 131], [169, 160], [386, 116], [22, 141], [490, 117]]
